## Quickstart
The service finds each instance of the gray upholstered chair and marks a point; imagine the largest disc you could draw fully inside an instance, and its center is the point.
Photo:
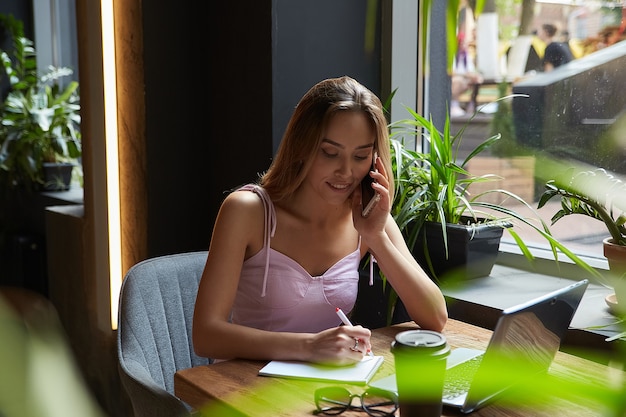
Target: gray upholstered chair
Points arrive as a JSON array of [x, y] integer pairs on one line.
[[154, 331]]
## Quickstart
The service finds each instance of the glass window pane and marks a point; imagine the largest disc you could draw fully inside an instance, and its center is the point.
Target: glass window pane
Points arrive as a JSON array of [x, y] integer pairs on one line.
[[570, 112]]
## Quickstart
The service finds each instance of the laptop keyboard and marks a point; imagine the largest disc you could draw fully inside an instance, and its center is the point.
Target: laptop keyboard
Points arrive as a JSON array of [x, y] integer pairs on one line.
[[459, 377]]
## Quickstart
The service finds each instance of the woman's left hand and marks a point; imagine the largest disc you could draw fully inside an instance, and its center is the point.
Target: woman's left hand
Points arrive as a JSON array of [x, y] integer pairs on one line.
[[376, 220]]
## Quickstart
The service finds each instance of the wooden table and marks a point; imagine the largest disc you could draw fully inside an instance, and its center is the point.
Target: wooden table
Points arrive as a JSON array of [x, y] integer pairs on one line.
[[233, 388]]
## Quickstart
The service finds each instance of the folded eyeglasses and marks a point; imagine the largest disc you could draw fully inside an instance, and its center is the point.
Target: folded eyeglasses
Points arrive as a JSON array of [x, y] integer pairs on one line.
[[374, 401]]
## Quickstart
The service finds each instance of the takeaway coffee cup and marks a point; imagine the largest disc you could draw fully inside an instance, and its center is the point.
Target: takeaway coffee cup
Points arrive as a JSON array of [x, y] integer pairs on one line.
[[420, 361]]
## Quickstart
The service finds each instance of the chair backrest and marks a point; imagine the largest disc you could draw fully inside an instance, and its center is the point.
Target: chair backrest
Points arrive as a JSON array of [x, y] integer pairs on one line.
[[154, 332]]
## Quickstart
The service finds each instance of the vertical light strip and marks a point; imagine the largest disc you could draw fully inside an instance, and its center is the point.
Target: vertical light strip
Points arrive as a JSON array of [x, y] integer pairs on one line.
[[112, 160]]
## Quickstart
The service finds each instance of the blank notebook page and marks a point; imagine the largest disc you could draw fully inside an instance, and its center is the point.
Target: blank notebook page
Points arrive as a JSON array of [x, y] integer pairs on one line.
[[359, 373]]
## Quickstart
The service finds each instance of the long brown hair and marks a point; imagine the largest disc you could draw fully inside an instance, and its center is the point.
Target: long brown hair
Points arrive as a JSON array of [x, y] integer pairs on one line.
[[307, 126]]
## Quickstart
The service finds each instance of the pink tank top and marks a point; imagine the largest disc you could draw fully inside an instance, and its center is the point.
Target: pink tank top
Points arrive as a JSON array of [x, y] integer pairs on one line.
[[276, 293]]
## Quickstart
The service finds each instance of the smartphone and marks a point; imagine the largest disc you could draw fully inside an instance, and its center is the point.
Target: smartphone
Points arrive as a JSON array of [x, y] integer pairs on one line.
[[369, 197]]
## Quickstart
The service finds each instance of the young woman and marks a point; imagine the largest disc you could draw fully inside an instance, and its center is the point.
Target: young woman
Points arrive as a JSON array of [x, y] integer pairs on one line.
[[285, 252]]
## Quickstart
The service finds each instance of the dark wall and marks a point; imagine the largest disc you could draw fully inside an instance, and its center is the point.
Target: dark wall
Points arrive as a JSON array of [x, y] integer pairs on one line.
[[208, 113], [314, 40], [222, 81]]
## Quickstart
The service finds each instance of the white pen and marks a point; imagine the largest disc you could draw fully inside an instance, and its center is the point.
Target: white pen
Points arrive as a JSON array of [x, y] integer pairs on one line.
[[345, 320]]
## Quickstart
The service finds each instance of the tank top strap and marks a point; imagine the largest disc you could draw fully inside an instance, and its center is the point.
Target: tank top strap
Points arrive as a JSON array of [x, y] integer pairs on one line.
[[372, 260], [371, 264], [270, 225]]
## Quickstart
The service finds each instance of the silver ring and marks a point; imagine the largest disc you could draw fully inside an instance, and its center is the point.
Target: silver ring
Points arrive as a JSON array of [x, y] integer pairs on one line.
[[356, 345]]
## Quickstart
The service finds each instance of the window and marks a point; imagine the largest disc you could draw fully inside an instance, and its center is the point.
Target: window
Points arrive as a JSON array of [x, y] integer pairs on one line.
[[55, 34], [572, 112]]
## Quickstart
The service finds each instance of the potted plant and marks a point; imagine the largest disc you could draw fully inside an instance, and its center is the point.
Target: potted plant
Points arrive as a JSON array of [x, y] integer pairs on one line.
[[434, 205], [39, 120], [602, 196]]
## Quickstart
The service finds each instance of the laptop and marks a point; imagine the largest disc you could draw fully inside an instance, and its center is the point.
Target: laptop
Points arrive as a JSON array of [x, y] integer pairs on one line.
[[523, 344]]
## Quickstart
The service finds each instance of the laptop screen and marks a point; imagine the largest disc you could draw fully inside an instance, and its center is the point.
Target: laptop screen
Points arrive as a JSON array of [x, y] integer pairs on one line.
[[525, 341]]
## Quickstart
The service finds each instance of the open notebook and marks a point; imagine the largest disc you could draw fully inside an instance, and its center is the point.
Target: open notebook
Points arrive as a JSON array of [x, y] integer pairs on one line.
[[524, 342], [360, 373]]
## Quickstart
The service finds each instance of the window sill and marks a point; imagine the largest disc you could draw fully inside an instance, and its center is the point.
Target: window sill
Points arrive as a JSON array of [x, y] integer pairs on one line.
[[72, 196]]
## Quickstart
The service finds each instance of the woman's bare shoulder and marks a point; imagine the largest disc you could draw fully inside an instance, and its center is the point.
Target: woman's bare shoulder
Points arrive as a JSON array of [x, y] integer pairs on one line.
[[242, 208], [242, 219], [243, 200]]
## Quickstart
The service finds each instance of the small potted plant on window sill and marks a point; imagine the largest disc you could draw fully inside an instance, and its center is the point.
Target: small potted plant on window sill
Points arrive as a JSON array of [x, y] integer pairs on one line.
[[602, 196], [39, 120]]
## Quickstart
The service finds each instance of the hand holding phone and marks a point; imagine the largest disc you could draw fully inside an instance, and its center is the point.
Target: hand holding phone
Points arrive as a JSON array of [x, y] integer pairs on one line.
[[369, 197]]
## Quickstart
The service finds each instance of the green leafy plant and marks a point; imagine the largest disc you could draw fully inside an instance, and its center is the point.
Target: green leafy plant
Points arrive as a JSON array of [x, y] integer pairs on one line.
[[39, 119], [434, 186], [600, 195], [594, 193]]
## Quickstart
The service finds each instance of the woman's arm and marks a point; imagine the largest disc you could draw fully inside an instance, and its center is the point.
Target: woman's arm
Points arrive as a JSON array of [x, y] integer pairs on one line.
[[237, 235], [421, 296], [382, 237]]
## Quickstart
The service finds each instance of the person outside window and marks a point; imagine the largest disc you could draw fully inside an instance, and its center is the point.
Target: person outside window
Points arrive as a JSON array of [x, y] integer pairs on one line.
[[464, 75], [285, 251], [556, 53]]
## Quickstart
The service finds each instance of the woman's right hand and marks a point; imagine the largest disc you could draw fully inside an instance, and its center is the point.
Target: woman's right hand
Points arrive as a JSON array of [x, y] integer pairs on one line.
[[342, 345]]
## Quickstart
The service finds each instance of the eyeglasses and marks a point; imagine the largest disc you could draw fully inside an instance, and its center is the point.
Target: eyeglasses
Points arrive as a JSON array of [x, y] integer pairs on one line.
[[375, 402]]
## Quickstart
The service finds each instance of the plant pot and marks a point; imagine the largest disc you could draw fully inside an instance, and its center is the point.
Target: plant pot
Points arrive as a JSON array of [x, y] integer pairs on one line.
[[472, 250], [57, 176], [616, 256]]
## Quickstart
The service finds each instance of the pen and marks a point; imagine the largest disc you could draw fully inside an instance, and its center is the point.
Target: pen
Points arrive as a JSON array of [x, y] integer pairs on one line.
[[345, 320]]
